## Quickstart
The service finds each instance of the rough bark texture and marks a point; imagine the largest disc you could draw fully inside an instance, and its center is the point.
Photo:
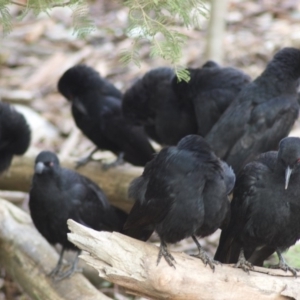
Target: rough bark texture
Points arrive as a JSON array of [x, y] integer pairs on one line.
[[132, 264], [28, 258], [114, 181]]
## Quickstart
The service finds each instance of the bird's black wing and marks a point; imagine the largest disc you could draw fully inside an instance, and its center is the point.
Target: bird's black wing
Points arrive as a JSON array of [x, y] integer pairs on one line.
[[268, 124], [163, 185], [244, 204], [130, 139], [90, 206]]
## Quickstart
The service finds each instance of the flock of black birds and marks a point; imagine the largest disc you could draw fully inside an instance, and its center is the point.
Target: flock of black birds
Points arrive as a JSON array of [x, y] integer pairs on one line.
[[220, 133]]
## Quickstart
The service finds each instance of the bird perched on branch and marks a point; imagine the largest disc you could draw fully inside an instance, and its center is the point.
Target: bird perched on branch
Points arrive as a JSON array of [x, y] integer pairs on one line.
[[58, 194], [262, 114], [265, 209], [15, 135], [96, 108], [182, 193]]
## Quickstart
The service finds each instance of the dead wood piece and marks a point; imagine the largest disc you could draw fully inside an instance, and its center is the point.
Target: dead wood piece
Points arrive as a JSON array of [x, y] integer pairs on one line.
[[114, 181], [132, 264], [28, 258], [16, 96]]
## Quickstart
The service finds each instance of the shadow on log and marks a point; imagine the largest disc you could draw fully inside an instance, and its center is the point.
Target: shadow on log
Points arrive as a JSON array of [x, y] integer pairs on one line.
[[28, 258], [132, 264], [114, 181]]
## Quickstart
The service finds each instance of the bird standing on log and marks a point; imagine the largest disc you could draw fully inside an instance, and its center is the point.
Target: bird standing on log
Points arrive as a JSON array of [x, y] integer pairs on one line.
[[182, 193], [58, 194], [265, 210]]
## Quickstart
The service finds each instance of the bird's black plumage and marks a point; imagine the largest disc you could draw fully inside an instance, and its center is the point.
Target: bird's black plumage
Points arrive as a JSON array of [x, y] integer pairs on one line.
[[171, 109], [96, 108], [211, 90], [182, 193], [58, 194], [262, 114], [265, 208], [151, 102], [15, 135]]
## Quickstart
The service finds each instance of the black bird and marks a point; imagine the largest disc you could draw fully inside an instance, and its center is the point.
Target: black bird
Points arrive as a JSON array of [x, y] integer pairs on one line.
[[262, 114], [15, 135], [170, 109], [96, 108], [58, 194], [211, 90], [265, 209], [182, 193], [152, 103]]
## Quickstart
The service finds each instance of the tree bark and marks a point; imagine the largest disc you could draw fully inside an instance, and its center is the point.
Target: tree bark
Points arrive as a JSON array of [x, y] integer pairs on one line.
[[28, 258], [114, 181], [132, 264], [215, 32]]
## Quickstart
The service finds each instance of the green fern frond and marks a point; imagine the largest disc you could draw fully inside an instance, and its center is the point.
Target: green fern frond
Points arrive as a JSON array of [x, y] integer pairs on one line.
[[153, 20], [182, 73], [5, 17], [148, 20], [82, 22]]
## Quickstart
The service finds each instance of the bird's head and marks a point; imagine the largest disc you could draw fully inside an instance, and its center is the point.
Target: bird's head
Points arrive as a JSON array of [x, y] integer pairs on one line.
[[289, 156], [77, 80], [46, 162], [287, 62]]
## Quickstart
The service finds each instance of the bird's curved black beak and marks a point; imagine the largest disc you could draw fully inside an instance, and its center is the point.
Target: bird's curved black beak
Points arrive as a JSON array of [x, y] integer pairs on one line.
[[288, 172], [39, 168], [78, 104]]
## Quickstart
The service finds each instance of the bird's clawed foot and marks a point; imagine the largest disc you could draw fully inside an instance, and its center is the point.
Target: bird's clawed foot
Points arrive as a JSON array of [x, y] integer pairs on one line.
[[58, 269], [84, 160], [203, 255], [283, 265], [119, 161], [206, 259], [163, 251], [243, 263], [67, 274], [58, 274]]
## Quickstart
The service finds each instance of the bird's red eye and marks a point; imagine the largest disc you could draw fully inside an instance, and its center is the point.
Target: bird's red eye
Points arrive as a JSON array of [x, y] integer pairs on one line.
[[298, 160]]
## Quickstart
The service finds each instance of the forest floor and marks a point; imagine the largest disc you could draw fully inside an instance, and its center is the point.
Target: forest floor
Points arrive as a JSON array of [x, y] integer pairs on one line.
[[39, 49]]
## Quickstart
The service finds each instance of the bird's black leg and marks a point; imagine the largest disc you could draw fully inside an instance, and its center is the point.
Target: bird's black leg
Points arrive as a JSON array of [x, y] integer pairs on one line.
[[163, 251], [59, 264], [69, 272], [283, 265], [84, 160], [203, 255], [243, 263], [117, 162]]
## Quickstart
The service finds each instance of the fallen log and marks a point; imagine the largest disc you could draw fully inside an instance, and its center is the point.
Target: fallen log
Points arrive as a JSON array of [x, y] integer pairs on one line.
[[114, 181], [132, 264], [28, 258]]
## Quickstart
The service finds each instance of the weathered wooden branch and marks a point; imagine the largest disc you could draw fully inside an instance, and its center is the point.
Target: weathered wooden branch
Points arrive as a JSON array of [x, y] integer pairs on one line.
[[132, 264], [28, 258], [114, 181]]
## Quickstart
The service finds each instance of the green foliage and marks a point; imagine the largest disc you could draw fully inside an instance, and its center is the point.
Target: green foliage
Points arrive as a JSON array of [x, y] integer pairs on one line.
[[154, 21], [5, 18], [150, 21], [82, 22]]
